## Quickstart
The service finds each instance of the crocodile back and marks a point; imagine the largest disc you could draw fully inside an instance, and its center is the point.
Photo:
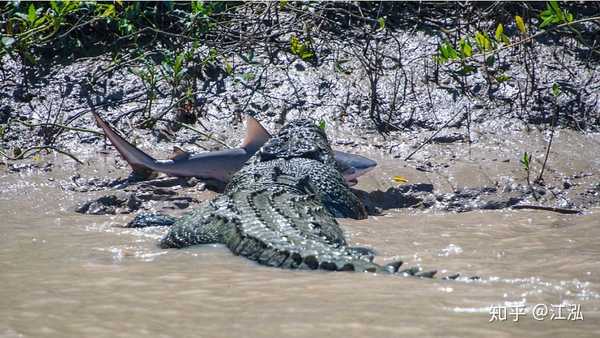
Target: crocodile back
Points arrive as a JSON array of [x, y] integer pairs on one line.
[[280, 208], [287, 198]]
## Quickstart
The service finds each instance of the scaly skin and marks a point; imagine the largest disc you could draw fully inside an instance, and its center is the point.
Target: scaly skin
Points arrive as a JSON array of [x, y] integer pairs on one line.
[[279, 209]]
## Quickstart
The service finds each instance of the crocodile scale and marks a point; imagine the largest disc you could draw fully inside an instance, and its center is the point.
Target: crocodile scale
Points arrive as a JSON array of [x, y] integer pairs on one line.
[[280, 208]]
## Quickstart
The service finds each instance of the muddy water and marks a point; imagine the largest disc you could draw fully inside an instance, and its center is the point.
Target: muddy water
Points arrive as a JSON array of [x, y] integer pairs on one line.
[[67, 275]]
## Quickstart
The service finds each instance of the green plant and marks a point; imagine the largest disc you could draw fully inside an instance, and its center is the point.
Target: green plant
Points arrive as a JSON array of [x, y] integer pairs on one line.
[[500, 36], [446, 52], [149, 77], [488, 47], [526, 165], [36, 26], [339, 67], [322, 125], [520, 24], [302, 50], [554, 15], [249, 76], [381, 24], [228, 68]]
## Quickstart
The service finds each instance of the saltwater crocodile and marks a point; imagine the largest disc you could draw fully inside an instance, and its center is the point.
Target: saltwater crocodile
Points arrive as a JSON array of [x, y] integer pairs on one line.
[[279, 209]]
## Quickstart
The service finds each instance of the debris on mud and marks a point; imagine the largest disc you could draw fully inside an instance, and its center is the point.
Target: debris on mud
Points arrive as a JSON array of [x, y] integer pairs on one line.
[[127, 196]]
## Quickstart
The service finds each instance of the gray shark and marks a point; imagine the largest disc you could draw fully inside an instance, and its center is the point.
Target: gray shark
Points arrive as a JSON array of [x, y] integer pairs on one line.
[[220, 165]]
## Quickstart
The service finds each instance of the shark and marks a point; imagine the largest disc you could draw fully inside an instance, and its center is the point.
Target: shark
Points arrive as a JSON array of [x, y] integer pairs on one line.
[[218, 166]]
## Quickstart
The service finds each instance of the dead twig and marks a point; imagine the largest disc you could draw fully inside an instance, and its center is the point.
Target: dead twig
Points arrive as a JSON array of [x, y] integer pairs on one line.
[[432, 136], [24, 153], [540, 207]]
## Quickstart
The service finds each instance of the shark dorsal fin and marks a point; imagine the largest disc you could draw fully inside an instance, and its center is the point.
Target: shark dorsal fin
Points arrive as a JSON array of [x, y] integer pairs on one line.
[[179, 153], [256, 134]]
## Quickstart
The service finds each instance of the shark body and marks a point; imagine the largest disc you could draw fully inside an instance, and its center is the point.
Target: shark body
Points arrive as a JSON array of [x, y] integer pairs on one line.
[[219, 165]]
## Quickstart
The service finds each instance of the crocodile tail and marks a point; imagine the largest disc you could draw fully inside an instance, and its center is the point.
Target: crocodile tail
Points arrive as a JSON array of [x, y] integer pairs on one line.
[[140, 162]]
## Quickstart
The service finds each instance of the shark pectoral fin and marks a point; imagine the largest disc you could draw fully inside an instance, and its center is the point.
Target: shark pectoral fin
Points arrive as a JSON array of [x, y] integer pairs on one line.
[[179, 154], [256, 134]]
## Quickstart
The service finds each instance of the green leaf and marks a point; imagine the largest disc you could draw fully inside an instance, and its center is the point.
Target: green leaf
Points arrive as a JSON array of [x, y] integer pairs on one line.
[[321, 125], [109, 11], [548, 21], [340, 69], [228, 68], [569, 17], [468, 69], [248, 76], [381, 22], [520, 24], [54, 6], [302, 50], [556, 9], [452, 54], [294, 44], [31, 13], [556, 89], [503, 78], [483, 42], [466, 50], [499, 32], [447, 51], [306, 55], [178, 66], [526, 161]]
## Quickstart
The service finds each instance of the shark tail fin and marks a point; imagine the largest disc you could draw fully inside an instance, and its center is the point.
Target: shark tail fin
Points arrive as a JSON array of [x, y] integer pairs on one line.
[[256, 134], [141, 163]]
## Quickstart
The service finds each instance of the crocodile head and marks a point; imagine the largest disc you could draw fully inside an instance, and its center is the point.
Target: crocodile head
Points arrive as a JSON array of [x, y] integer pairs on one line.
[[299, 138]]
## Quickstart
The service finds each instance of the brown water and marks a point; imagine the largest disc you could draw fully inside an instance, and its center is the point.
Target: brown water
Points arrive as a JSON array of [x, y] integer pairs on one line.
[[68, 275]]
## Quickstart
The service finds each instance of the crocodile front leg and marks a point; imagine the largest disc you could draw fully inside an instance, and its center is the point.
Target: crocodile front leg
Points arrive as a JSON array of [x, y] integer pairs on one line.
[[204, 225]]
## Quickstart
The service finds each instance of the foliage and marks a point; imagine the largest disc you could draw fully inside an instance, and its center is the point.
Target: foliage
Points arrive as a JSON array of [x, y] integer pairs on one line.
[[554, 15], [520, 24], [526, 165], [322, 125], [303, 50], [486, 46], [526, 161], [29, 28], [556, 89]]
